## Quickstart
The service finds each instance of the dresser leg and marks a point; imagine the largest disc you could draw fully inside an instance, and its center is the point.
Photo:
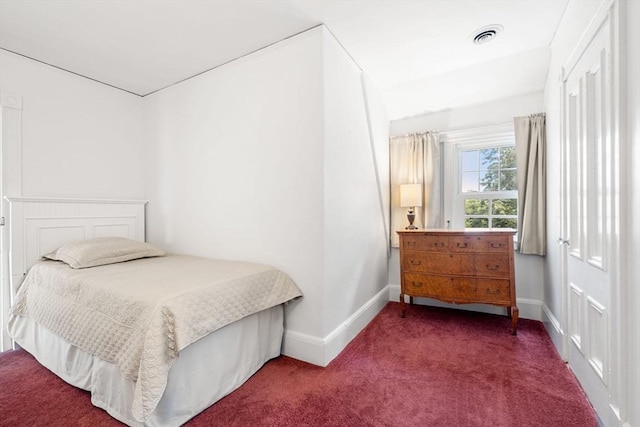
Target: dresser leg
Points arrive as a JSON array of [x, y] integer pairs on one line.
[[514, 320]]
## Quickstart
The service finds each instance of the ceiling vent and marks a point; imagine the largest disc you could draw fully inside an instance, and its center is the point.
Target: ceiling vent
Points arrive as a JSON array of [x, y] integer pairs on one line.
[[486, 34]]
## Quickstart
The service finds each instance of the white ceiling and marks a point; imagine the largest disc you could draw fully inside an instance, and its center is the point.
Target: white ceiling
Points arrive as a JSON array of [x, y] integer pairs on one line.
[[419, 53]]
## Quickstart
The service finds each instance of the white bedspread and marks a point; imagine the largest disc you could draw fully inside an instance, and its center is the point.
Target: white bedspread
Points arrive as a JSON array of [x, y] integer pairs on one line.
[[140, 314]]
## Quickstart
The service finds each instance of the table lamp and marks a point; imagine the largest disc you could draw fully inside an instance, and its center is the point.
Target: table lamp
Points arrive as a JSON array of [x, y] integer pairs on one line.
[[410, 197]]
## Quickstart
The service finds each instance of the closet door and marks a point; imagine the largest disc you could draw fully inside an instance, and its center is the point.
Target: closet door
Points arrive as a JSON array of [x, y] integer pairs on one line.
[[589, 195]]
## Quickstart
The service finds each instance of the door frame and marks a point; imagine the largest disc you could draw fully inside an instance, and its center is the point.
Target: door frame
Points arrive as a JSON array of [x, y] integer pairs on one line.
[[11, 186]]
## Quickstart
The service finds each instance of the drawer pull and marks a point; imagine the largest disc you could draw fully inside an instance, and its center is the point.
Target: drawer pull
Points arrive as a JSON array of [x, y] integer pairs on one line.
[[496, 245], [415, 262], [493, 267], [461, 245]]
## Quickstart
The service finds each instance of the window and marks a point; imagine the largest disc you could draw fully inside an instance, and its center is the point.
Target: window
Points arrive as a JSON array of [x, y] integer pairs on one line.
[[487, 186], [480, 178]]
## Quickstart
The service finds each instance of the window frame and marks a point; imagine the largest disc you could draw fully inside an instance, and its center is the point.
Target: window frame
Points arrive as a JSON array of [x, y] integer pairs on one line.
[[463, 140]]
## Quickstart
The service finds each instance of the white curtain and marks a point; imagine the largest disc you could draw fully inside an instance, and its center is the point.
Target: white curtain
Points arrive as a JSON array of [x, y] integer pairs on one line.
[[415, 159], [530, 134]]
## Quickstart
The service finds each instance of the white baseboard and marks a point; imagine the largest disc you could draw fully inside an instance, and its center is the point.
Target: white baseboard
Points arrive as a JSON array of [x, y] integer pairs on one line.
[[529, 308], [307, 348], [321, 351], [554, 329]]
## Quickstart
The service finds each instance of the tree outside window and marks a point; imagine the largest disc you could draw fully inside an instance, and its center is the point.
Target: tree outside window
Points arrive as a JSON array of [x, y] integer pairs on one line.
[[488, 186]]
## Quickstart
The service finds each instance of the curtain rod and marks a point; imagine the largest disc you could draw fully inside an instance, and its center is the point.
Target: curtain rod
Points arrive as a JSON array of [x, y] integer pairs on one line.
[[460, 128], [414, 133]]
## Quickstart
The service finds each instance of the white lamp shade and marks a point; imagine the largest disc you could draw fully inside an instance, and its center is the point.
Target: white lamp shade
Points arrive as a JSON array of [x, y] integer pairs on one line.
[[410, 195]]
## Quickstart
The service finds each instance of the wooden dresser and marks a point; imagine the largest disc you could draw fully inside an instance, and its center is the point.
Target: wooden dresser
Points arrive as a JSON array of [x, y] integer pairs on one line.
[[460, 267]]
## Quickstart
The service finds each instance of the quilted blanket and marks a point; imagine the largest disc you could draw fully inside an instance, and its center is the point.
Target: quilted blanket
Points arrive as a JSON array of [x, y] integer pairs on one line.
[[140, 314]]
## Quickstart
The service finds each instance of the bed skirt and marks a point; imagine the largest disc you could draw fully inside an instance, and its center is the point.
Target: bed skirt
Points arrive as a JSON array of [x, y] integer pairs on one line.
[[205, 371]]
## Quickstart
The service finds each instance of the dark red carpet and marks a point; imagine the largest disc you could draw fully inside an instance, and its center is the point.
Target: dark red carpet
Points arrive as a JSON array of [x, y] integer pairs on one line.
[[436, 367]]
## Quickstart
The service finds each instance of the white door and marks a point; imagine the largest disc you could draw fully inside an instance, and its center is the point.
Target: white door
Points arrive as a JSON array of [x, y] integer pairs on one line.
[[587, 219]]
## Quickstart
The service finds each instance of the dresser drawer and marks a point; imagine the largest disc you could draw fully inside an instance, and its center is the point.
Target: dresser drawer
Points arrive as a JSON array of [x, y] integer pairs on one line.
[[479, 243], [438, 263], [496, 291], [426, 243], [463, 243], [495, 244], [448, 289], [492, 265]]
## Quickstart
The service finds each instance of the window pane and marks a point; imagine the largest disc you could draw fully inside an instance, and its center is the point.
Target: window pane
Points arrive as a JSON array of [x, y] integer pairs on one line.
[[508, 180], [476, 223], [469, 182], [505, 207], [490, 159], [507, 157], [505, 223], [476, 207], [469, 160], [490, 180]]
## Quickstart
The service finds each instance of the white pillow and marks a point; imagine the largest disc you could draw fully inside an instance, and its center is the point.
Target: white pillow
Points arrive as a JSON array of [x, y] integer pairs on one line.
[[102, 251]]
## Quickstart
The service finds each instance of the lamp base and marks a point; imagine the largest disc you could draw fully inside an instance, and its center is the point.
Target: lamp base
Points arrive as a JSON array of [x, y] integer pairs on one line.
[[411, 216]]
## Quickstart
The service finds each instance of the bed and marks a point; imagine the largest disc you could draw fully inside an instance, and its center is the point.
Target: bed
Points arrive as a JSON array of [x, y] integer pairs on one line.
[[156, 338]]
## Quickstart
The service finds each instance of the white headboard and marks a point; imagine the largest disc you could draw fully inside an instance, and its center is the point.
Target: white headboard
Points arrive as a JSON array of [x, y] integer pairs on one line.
[[40, 225]]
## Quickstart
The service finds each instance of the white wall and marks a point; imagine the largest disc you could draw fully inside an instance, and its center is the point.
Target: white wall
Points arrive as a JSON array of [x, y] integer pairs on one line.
[[65, 136], [237, 167], [355, 245], [529, 268], [80, 138], [268, 159], [472, 116]]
